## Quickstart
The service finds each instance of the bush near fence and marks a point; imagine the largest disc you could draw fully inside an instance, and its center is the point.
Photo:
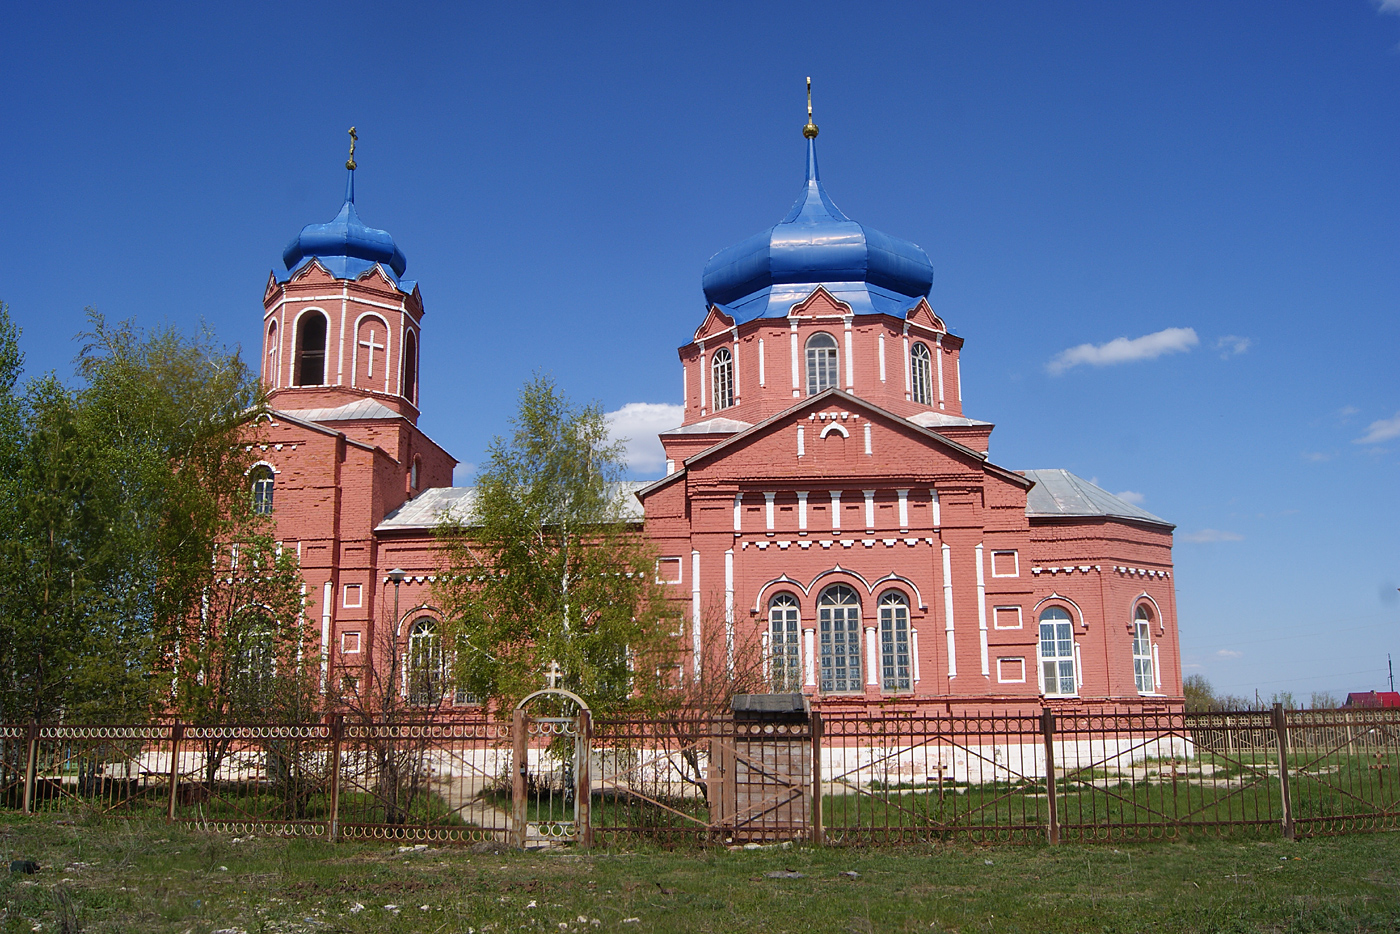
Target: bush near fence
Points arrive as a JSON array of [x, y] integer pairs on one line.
[[895, 777]]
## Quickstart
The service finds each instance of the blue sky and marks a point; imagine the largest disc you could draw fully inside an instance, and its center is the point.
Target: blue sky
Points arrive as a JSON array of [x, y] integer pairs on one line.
[[1168, 232]]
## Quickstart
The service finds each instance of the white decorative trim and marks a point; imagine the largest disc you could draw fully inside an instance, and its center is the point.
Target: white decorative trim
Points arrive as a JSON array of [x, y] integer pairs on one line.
[[948, 610]]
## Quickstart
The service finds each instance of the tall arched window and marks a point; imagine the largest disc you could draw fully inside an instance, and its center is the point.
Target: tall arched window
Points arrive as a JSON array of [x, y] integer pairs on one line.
[[410, 367], [311, 349], [1142, 651], [270, 368], [838, 622], [783, 635], [424, 671], [921, 364], [821, 363], [894, 642], [262, 489], [722, 378], [1057, 652], [413, 472], [256, 661]]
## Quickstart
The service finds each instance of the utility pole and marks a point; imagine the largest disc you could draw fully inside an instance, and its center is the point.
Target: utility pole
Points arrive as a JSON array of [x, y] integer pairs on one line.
[[1391, 666]]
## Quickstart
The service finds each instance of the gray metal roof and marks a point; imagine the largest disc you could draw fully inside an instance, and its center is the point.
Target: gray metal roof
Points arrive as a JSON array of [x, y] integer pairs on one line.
[[431, 506], [943, 420], [712, 426], [351, 411], [1060, 494]]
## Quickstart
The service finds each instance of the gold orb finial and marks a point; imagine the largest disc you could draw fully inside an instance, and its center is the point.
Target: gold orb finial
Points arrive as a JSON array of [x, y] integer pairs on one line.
[[810, 130], [354, 138]]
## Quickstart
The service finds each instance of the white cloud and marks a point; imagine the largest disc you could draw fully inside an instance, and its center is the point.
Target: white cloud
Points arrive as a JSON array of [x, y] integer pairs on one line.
[[1205, 536], [1389, 6], [1382, 429], [1125, 350], [1231, 345], [639, 422], [1128, 496], [1229, 653], [1317, 457]]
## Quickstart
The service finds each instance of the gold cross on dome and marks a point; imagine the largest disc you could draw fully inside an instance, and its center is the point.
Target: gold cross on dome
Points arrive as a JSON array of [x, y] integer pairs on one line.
[[354, 138], [553, 675]]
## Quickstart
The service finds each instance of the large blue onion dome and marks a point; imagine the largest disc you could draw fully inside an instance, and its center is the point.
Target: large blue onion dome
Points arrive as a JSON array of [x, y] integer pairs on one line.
[[345, 246], [765, 275]]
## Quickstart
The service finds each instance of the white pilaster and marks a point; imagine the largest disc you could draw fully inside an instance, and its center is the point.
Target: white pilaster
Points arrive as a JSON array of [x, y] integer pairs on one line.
[[802, 510], [836, 510], [871, 656], [948, 610], [768, 508], [695, 613], [869, 510], [982, 611], [903, 510]]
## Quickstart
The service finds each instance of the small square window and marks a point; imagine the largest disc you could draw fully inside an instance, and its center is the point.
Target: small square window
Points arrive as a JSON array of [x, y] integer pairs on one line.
[[668, 570], [1006, 617], [1011, 670], [1005, 564], [354, 596], [349, 643]]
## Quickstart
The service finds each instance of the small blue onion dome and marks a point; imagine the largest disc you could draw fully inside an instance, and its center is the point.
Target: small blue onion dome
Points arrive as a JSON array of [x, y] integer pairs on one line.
[[345, 246], [816, 244]]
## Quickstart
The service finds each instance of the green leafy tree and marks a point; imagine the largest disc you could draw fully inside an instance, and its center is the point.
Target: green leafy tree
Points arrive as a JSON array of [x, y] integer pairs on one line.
[[547, 570]]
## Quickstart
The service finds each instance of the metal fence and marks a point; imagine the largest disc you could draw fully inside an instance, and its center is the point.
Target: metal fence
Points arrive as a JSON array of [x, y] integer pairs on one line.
[[889, 778]]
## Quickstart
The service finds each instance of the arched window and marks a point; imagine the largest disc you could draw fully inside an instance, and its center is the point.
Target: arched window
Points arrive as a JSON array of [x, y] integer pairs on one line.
[[413, 472], [256, 659], [821, 363], [262, 489], [410, 367], [311, 349], [1142, 651], [783, 636], [424, 672], [921, 363], [1057, 652], [270, 374], [838, 621], [722, 378], [894, 642]]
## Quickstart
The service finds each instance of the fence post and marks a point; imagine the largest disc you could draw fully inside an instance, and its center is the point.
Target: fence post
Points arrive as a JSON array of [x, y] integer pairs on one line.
[[1047, 730], [520, 764], [583, 779], [818, 832], [177, 733], [31, 767], [337, 730], [1281, 741]]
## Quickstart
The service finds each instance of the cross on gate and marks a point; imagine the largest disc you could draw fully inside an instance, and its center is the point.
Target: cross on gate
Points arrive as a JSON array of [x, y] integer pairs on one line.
[[553, 675], [372, 346]]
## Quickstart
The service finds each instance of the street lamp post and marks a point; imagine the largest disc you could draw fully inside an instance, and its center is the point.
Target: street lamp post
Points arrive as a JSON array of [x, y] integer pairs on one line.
[[397, 575]]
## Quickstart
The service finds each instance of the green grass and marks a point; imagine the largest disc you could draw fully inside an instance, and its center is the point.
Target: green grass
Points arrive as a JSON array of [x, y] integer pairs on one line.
[[103, 875]]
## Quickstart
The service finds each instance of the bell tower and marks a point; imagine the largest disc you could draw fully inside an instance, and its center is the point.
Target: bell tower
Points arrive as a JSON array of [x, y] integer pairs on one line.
[[342, 325]]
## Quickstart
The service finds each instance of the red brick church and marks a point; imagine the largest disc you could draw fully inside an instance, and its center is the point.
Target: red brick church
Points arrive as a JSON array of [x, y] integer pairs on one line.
[[825, 493]]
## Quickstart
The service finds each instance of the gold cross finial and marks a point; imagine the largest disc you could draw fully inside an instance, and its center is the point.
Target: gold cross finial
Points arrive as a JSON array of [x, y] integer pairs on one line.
[[810, 130], [354, 138]]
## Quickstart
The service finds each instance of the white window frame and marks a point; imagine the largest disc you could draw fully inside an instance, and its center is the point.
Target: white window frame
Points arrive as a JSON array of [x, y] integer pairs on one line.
[[785, 642], [1061, 626], [722, 379], [894, 635], [347, 647], [1015, 562], [851, 640], [1004, 659], [358, 590], [921, 373], [1142, 637], [816, 370], [680, 569], [996, 617]]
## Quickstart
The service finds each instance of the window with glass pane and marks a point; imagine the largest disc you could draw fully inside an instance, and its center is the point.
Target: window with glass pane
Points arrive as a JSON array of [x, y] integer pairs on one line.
[[424, 675], [783, 635], [921, 363], [252, 685], [1057, 651], [262, 490], [722, 378], [821, 363], [1142, 651], [838, 622], [894, 642]]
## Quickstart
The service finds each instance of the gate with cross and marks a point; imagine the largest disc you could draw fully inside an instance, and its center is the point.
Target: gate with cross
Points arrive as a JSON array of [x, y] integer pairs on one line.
[[551, 733]]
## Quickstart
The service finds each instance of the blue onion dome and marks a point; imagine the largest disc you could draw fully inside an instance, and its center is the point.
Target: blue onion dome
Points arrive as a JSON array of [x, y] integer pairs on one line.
[[345, 246], [816, 244]]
